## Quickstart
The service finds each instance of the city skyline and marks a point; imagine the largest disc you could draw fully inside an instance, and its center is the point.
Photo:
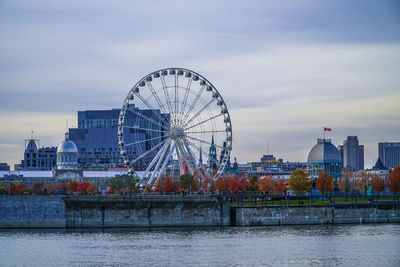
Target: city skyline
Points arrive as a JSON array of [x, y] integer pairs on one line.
[[285, 70]]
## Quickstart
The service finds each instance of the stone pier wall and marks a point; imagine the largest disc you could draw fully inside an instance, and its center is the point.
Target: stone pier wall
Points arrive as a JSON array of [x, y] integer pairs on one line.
[[311, 215], [146, 211], [32, 212]]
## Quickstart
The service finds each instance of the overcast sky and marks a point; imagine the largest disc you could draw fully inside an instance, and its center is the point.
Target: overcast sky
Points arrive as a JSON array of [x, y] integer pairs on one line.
[[284, 68]]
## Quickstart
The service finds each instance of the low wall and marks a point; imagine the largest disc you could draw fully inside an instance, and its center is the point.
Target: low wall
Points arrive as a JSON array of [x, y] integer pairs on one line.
[[32, 212], [310, 215], [112, 211], [146, 211]]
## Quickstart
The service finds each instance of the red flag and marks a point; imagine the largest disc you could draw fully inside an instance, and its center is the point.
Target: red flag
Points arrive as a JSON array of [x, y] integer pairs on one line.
[[327, 129]]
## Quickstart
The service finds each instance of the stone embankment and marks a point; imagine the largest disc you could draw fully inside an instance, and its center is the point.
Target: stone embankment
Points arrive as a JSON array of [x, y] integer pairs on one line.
[[171, 211]]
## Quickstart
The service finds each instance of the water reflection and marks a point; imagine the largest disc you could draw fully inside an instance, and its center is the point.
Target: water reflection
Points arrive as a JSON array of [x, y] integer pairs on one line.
[[366, 245]]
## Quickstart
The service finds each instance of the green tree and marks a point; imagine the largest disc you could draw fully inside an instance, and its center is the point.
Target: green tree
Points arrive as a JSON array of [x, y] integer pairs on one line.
[[186, 182], [299, 182], [117, 183], [251, 184], [132, 183]]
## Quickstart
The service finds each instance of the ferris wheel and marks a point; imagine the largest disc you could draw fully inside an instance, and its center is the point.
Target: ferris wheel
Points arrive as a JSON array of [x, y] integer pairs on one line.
[[174, 121]]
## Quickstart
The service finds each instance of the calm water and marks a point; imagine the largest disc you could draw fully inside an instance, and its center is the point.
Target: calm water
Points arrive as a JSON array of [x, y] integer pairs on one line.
[[347, 245]]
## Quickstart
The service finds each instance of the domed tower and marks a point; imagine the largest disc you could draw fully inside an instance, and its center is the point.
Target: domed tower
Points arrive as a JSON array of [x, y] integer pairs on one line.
[[67, 155], [324, 156], [67, 161]]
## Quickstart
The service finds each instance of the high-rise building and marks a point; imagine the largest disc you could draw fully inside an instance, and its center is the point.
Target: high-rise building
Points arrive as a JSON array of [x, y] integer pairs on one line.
[[389, 154], [97, 141], [352, 153]]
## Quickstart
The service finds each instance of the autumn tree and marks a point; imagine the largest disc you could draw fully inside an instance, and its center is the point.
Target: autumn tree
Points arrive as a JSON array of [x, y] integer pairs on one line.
[[325, 184], [363, 182], [72, 186], [221, 184], [346, 182], [378, 185], [147, 189], [38, 187], [170, 185], [299, 182], [235, 183], [280, 186], [251, 184], [207, 184], [17, 188], [393, 180], [267, 183]]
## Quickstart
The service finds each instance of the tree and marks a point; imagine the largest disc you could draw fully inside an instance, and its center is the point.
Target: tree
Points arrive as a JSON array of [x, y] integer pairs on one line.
[[251, 184], [325, 184], [187, 182], [267, 183], [299, 182], [72, 186], [393, 180], [17, 188], [170, 185], [363, 182], [346, 182], [378, 185], [147, 189], [207, 184], [221, 184], [132, 183], [235, 183], [280, 186], [38, 187], [117, 183]]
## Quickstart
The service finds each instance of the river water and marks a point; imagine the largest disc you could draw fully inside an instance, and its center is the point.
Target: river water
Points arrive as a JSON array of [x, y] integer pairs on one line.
[[326, 245]]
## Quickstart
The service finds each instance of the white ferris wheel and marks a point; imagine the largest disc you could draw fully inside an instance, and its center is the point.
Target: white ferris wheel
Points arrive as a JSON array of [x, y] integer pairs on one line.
[[174, 121]]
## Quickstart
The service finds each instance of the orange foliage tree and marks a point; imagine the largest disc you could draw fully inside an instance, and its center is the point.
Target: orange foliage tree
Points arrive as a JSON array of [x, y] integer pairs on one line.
[[17, 189], [207, 184], [147, 189], [280, 186], [72, 186], [393, 180], [221, 184], [170, 185], [378, 185], [38, 187], [267, 183], [325, 184], [235, 183]]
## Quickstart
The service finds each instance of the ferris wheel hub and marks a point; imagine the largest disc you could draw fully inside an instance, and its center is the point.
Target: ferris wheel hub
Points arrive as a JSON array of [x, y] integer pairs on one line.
[[176, 132]]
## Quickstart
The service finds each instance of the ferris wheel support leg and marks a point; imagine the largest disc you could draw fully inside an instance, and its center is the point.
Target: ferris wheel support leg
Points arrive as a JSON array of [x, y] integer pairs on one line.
[[190, 153], [184, 155], [164, 150], [153, 162], [167, 159]]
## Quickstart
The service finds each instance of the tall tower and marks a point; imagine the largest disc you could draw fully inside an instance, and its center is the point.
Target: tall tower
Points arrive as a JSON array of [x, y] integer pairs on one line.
[[212, 162]]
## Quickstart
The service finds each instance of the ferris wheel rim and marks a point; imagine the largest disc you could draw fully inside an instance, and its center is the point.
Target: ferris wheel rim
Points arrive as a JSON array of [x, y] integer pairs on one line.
[[186, 123]]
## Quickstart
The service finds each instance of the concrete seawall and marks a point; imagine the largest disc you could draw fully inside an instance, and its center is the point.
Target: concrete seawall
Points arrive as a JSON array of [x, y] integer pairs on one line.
[[310, 215], [32, 212], [112, 211], [171, 211], [146, 211]]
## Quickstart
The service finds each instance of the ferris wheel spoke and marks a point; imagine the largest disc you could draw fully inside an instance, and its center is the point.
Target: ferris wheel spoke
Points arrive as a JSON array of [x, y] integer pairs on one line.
[[185, 143], [147, 118], [203, 132], [194, 102], [165, 89], [158, 158], [202, 122], [156, 97], [150, 107], [145, 129], [199, 112], [176, 96], [168, 158], [202, 141], [143, 141], [184, 103], [148, 152]]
